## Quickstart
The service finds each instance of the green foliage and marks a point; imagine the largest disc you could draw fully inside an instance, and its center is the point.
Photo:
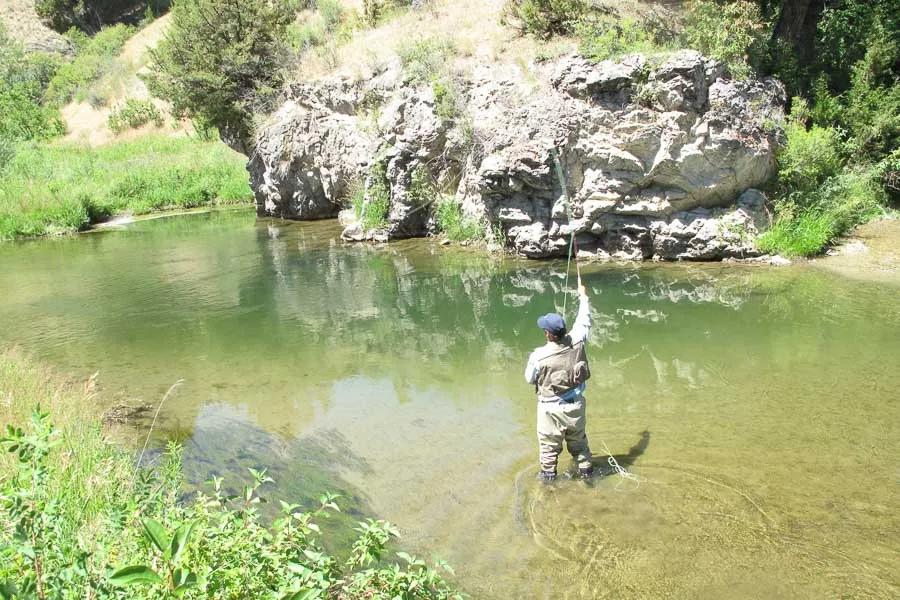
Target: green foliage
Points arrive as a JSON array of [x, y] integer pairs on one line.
[[23, 81], [846, 32], [810, 156], [602, 36], [92, 15], [332, 13], [95, 57], [221, 60], [452, 222], [64, 188], [80, 519], [733, 32], [807, 222], [373, 208], [545, 18], [426, 59], [132, 114]]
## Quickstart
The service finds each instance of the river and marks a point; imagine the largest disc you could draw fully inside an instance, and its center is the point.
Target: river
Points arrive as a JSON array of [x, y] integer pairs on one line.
[[758, 407]]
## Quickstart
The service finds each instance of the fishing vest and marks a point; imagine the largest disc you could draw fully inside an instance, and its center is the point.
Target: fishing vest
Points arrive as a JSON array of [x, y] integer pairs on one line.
[[561, 367]]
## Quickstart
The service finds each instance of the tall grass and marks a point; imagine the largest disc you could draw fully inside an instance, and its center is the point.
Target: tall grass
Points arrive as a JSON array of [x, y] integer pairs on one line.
[[79, 518], [453, 223], [49, 189]]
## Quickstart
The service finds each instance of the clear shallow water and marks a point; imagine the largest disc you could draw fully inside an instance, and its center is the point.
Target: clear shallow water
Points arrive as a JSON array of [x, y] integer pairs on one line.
[[758, 406]]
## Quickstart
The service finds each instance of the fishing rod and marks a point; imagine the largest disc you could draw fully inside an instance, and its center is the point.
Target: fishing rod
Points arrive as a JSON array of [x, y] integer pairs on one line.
[[573, 249]]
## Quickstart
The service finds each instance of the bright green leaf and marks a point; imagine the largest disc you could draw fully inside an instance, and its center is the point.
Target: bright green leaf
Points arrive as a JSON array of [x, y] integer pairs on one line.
[[180, 540], [156, 534], [134, 574]]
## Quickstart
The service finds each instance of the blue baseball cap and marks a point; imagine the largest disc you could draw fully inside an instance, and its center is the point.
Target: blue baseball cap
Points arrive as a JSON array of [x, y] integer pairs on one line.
[[553, 323]]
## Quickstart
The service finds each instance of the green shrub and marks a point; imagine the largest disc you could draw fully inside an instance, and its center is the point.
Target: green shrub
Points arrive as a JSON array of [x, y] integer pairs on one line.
[[732, 32], [426, 59], [807, 222], [872, 115], [64, 188], [133, 114], [447, 101], [81, 520], [372, 201], [809, 157], [95, 57], [452, 222], [222, 60], [23, 81], [332, 13], [604, 36], [90, 15], [545, 18]]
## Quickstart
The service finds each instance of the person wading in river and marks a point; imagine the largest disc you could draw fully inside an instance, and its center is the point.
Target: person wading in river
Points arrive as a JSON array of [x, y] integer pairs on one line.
[[559, 371]]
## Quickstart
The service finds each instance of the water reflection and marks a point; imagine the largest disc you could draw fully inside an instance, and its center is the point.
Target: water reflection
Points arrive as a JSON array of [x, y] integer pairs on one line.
[[397, 370]]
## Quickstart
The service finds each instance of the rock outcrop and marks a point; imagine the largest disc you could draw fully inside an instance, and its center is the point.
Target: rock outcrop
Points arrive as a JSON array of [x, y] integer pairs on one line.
[[661, 159]]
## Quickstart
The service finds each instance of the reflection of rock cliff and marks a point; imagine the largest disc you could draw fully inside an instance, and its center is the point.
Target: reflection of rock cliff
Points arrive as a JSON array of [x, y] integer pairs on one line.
[[661, 158]]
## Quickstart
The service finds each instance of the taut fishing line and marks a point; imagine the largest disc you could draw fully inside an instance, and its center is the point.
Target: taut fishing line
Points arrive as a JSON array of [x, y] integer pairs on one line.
[[617, 468]]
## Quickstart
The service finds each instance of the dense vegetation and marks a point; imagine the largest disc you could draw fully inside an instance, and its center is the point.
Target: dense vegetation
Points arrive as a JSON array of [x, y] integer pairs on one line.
[[92, 15], [48, 187], [840, 163], [62, 188], [80, 519]]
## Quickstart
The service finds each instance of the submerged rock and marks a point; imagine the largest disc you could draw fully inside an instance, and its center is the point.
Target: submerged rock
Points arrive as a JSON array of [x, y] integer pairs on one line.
[[662, 160]]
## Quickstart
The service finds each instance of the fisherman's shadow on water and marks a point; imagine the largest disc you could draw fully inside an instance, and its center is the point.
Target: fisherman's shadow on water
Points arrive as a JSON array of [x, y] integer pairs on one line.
[[604, 468]]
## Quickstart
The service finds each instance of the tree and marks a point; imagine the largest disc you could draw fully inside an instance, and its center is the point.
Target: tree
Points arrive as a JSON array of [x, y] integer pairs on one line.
[[220, 62], [91, 15], [795, 29]]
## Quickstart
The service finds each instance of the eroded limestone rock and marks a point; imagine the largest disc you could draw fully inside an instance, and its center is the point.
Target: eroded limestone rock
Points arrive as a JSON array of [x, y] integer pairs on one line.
[[661, 159]]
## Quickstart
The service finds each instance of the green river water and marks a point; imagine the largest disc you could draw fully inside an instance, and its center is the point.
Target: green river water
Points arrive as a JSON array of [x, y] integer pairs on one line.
[[758, 406]]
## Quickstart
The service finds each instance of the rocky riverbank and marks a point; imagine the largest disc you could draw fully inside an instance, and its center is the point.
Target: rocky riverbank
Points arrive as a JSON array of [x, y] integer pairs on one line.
[[662, 158]]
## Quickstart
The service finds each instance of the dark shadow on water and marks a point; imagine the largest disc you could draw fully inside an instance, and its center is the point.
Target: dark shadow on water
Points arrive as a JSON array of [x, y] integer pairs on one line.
[[601, 463]]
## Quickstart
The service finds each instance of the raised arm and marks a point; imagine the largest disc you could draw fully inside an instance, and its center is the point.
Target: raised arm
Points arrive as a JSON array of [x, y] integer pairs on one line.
[[531, 369], [582, 326]]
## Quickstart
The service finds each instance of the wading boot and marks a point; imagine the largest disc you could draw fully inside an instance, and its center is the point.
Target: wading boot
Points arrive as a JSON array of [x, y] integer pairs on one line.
[[586, 473], [547, 476]]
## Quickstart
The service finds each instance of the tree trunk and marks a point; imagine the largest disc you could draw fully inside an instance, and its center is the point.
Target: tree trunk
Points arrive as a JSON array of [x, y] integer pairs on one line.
[[796, 27]]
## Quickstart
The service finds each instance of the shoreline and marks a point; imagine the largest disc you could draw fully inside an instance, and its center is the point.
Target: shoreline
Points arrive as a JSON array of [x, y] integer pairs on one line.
[[868, 253]]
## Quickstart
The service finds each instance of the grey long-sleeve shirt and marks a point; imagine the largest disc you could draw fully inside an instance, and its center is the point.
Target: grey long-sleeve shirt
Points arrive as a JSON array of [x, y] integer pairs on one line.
[[579, 333]]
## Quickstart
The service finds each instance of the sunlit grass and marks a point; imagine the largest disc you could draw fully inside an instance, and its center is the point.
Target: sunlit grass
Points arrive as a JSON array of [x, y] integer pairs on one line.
[[48, 189]]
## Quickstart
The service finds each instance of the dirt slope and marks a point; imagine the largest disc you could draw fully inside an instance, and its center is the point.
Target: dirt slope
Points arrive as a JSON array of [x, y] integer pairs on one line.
[[87, 123]]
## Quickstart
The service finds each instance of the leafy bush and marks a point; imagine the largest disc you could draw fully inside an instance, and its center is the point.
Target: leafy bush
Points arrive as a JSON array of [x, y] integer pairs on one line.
[[545, 18], [733, 32], [65, 188], [872, 115], [371, 201], [23, 80], [91, 15], [426, 59], [133, 114], [95, 57], [332, 13], [809, 157], [81, 520], [603, 36], [453, 223], [221, 60], [808, 222]]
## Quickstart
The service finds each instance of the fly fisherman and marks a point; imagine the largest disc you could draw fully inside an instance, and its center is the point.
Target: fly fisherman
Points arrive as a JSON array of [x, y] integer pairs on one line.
[[559, 370]]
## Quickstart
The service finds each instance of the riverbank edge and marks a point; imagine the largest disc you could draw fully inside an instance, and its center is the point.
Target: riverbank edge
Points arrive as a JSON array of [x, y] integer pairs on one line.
[[82, 515]]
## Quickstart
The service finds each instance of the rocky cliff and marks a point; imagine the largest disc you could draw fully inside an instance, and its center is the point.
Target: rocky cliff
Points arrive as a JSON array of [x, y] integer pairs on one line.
[[661, 158]]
